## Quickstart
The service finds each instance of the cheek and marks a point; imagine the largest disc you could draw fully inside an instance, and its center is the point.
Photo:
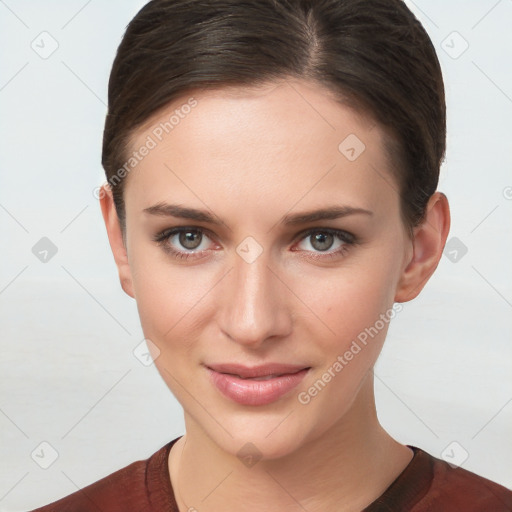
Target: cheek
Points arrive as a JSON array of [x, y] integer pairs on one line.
[[350, 299], [168, 301], [357, 305]]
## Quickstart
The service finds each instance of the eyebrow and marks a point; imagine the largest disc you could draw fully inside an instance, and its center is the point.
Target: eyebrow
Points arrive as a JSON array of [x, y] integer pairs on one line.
[[163, 209]]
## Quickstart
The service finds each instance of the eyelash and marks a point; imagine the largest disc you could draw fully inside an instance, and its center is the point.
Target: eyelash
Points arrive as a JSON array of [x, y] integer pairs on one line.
[[162, 239]]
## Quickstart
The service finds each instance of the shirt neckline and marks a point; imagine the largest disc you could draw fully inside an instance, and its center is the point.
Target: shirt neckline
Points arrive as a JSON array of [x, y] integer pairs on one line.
[[408, 488]]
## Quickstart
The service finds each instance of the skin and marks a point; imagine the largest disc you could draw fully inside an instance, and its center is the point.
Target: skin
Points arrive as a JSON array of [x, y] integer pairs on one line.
[[250, 156]]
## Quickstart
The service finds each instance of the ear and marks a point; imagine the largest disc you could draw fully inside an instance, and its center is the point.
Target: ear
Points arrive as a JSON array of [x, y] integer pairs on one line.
[[115, 238], [428, 242]]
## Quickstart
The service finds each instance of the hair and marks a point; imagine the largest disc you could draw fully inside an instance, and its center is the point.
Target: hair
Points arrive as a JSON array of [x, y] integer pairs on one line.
[[374, 55]]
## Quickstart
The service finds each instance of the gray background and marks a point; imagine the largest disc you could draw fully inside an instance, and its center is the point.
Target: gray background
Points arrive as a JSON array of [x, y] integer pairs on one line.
[[68, 373]]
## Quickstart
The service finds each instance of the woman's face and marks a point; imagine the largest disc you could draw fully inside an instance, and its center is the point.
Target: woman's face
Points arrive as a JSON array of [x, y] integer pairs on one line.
[[252, 281]]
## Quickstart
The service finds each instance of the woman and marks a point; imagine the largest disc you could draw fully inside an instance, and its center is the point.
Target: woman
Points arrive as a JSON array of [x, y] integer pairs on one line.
[[272, 199]]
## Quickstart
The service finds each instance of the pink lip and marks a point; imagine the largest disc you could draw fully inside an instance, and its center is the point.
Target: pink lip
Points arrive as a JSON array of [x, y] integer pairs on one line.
[[238, 382]]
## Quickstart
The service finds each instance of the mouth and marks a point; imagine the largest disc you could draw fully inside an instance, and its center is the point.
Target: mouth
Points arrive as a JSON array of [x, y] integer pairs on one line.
[[268, 370], [267, 377], [258, 385]]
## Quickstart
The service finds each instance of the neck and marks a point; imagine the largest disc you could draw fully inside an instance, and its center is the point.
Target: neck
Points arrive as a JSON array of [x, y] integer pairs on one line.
[[345, 468]]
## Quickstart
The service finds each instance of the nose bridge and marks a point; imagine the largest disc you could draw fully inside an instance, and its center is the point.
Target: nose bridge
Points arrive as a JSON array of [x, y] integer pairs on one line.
[[254, 306]]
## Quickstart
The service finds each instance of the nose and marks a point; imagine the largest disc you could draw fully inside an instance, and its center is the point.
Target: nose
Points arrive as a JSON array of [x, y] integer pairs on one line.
[[255, 303]]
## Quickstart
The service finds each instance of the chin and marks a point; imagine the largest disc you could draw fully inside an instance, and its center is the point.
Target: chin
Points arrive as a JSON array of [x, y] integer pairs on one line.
[[263, 438]]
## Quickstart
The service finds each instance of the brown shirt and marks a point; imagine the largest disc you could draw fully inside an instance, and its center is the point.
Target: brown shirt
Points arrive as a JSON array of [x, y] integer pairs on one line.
[[427, 484]]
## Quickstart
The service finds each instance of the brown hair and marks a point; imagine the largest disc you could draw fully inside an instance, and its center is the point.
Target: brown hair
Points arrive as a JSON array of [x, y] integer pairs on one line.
[[373, 54]]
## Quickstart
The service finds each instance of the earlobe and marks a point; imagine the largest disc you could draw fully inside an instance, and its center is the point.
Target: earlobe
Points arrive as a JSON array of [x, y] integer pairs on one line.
[[428, 243], [115, 238]]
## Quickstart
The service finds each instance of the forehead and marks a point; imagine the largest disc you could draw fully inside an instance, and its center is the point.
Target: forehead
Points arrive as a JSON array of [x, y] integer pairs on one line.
[[277, 143]]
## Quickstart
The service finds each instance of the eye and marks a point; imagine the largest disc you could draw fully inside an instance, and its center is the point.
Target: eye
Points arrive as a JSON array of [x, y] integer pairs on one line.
[[190, 239], [190, 242], [183, 242], [332, 242]]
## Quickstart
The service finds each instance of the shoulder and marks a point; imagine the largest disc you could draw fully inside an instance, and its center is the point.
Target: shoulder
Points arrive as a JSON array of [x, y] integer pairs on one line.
[[139, 486], [455, 488]]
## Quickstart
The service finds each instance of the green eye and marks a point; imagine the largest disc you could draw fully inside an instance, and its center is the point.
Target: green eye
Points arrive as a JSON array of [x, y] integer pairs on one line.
[[190, 239]]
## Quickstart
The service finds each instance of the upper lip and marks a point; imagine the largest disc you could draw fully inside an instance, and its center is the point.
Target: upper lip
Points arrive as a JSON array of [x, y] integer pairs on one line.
[[248, 372]]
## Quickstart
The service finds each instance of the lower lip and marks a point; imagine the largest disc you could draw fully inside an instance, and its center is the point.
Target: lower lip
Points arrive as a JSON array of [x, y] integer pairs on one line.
[[255, 392]]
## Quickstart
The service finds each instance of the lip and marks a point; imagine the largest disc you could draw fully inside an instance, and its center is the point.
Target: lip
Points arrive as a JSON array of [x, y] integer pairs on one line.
[[239, 383], [263, 370]]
